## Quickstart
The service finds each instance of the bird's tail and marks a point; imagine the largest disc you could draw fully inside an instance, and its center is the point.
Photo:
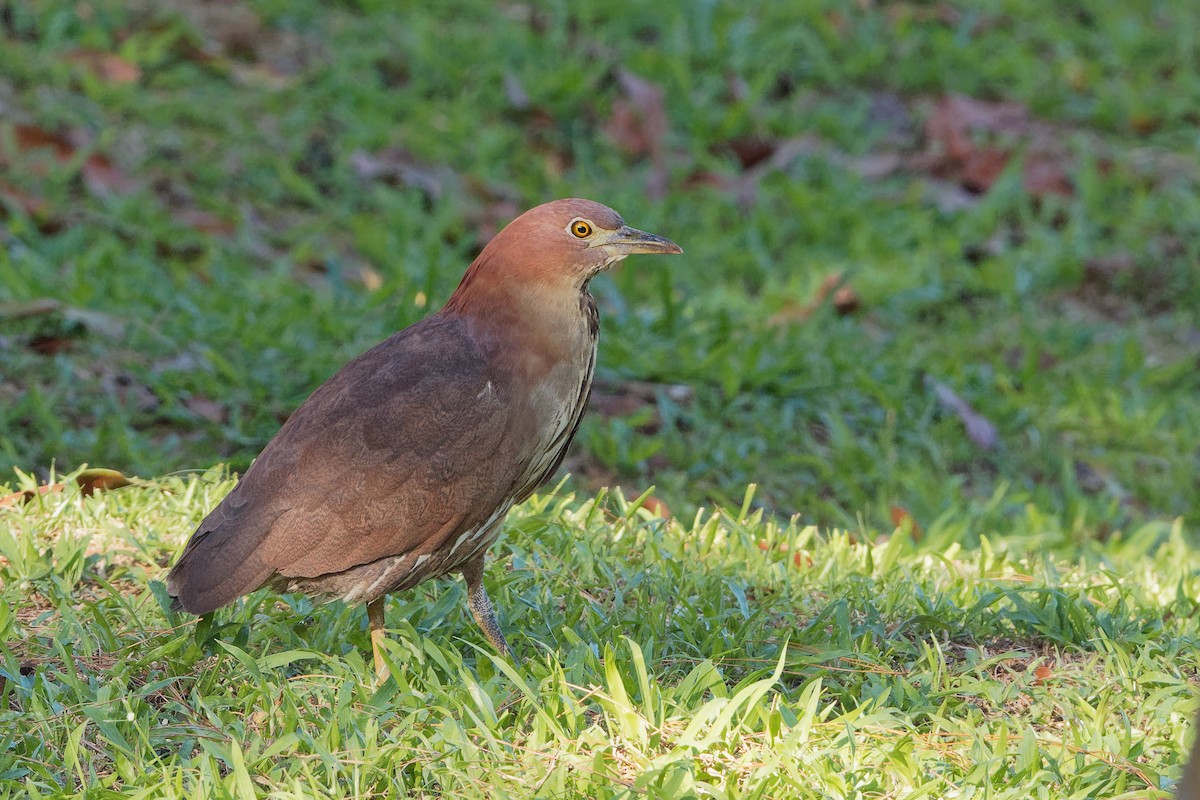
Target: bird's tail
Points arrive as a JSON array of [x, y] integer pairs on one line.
[[219, 565]]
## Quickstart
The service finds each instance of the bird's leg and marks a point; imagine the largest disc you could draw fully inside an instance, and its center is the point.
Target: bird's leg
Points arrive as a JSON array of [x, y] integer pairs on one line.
[[481, 608], [378, 634]]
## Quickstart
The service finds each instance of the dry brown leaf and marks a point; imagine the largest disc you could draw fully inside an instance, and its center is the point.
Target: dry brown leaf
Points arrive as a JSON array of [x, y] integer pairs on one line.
[[95, 480], [233, 36], [845, 302], [30, 204], [901, 516], [96, 321], [657, 507], [638, 125], [627, 398], [28, 494], [397, 166], [979, 429], [50, 345], [99, 174], [207, 409], [108, 67], [1044, 175], [972, 141], [751, 150], [204, 222]]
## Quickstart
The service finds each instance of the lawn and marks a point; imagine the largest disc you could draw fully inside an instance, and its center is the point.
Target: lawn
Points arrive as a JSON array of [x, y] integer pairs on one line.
[[938, 308]]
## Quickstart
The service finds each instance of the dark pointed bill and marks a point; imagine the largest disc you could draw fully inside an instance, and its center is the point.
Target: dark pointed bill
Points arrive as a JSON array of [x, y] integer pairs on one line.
[[627, 241]]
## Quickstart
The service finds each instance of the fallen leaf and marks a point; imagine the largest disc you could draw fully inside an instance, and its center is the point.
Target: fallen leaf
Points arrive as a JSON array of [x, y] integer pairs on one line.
[[28, 203], [638, 125], [657, 507], [1093, 481], [736, 87], [207, 409], [28, 494], [97, 321], [204, 222], [235, 39], [949, 197], [751, 150], [95, 480], [979, 429], [108, 67], [901, 516], [871, 166], [99, 174], [1044, 175], [396, 166], [50, 345], [972, 141], [845, 302], [629, 398], [1043, 672]]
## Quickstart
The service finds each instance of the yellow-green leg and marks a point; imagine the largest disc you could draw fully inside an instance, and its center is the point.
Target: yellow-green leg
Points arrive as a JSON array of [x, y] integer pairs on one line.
[[378, 634]]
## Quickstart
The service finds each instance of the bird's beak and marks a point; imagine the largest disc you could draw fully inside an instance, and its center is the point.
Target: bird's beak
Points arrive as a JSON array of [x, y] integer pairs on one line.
[[626, 241]]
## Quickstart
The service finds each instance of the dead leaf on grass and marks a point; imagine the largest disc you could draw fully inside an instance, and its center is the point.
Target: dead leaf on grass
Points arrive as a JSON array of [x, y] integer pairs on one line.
[[204, 222], [638, 125], [844, 299], [30, 204], [96, 480], [761, 156], [397, 166], [979, 429], [901, 517], [972, 141], [751, 149], [627, 398], [106, 325], [100, 175], [206, 409], [657, 507], [108, 67], [231, 36], [25, 496]]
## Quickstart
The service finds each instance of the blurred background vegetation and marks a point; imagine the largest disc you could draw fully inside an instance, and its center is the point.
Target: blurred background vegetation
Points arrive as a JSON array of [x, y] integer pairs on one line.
[[942, 258]]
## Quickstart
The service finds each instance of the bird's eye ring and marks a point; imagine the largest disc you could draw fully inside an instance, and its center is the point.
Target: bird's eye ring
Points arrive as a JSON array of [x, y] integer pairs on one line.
[[581, 228]]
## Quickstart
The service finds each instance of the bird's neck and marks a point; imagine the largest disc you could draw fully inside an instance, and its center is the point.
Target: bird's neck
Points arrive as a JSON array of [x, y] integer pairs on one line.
[[554, 323]]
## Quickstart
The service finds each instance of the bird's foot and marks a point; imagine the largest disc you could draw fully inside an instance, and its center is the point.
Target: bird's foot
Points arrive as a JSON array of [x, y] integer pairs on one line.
[[378, 634], [483, 612]]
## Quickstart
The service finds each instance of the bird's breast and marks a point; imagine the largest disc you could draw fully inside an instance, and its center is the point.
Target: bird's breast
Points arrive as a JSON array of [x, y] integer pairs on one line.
[[557, 395]]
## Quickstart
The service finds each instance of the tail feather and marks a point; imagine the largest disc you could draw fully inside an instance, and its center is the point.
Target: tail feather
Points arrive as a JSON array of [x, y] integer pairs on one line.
[[221, 561]]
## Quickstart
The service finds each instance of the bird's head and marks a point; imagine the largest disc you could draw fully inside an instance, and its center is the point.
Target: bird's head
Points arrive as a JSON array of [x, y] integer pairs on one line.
[[559, 246]]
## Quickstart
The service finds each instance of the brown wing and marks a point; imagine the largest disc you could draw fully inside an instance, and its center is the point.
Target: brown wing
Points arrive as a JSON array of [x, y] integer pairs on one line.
[[406, 446]]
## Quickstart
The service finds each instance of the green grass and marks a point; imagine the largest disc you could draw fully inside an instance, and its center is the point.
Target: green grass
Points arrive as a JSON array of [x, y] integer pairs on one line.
[[729, 656], [912, 660]]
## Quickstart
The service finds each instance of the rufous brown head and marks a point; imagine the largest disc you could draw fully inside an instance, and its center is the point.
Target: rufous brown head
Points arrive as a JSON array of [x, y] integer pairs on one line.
[[564, 243]]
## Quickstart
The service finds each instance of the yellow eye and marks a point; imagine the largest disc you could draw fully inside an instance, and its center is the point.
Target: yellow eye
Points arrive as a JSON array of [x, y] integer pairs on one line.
[[581, 228]]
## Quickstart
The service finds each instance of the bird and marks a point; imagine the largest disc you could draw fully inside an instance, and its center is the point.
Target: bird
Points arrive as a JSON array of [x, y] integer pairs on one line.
[[403, 465]]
